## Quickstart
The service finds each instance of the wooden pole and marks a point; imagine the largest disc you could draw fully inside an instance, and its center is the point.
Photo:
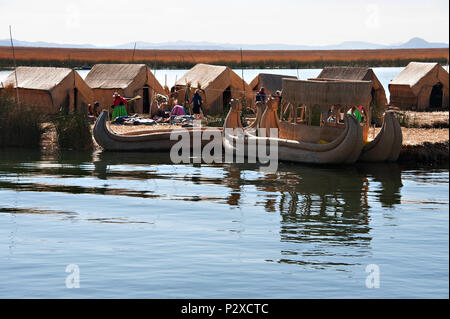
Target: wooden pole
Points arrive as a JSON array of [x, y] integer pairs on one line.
[[243, 82], [134, 50], [15, 66]]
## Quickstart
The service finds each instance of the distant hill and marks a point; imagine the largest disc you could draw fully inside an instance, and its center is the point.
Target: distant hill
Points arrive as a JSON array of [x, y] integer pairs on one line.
[[18, 43], [414, 43]]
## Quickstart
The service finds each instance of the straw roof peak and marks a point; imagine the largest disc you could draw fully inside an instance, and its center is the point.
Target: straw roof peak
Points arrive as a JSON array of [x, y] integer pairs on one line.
[[413, 73], [112, 76], [202, 74], [345, 73], [37, 78]]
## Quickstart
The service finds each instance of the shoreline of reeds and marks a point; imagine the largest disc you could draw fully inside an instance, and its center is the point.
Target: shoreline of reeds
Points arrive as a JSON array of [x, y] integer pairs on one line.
[[429, 153], [7, 64], [23, 126]]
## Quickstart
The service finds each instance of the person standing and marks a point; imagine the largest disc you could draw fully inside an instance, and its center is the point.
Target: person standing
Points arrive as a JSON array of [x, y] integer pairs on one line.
[[197, 103], [261, 97], [119, 106], [356, 113]]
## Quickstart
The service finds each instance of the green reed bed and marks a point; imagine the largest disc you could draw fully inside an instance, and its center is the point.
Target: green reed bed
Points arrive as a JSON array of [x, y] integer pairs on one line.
[[73, 131], [20, 125]]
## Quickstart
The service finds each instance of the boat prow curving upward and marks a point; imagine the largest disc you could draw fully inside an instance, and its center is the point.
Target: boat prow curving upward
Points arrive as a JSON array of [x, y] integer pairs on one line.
[[387, 144], [152, 141]]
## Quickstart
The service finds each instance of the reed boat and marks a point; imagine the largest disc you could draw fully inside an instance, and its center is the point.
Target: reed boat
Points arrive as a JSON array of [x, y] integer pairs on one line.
[[345, 148], [385, 147], [146, 140]]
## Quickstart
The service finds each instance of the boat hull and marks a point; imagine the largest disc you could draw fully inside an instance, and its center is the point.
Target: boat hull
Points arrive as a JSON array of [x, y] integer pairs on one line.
[[387, 145], [149, 141], [346, 148]]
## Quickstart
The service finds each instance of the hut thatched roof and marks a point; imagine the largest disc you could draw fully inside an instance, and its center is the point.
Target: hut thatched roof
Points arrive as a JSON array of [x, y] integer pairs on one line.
[[113, 76], [270, 82], [345, 73], [203, 74], [413, 73], [327, 93], [37, 78]]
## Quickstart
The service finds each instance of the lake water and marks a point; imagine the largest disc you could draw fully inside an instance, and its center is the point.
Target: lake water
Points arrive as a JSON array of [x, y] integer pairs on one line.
[[385, 75], [137, 226]]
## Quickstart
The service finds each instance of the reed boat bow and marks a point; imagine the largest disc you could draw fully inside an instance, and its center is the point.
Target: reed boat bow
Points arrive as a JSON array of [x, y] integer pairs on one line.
[[154, 140], [387, 144]]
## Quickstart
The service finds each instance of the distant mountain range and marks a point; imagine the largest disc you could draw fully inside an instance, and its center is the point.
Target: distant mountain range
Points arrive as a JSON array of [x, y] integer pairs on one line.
[[414, 43]]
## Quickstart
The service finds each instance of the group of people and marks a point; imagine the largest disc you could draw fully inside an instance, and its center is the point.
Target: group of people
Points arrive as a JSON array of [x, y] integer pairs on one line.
[[261, 96], [357, 112], [118, 107]]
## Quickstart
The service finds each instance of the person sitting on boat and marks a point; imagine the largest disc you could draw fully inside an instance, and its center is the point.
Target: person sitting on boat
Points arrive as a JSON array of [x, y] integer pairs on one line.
[[363, 112], [119, 106], [277, 96], [261, 97], [197, 104], [356, 113]]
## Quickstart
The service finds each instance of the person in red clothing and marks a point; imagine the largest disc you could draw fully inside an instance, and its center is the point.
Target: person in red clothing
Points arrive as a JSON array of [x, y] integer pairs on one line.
[[119, 106], [118, 100]]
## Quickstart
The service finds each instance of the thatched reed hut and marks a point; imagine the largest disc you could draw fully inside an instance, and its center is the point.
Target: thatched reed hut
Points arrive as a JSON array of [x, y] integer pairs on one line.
[[51, 89], [270, 82], [219, 85], [378, 94], [129, 80], [420, 86]]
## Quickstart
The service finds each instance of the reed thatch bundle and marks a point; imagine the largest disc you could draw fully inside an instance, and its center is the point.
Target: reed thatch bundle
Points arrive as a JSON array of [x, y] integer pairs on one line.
[[379, 99], [327, 93]]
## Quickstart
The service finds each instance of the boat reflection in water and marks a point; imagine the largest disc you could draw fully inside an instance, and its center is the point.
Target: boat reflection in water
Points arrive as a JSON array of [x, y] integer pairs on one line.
[[322, 215], [322, 209]]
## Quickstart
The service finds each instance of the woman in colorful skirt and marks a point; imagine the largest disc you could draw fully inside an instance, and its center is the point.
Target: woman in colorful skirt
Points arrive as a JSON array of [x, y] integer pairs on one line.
[[119, 106]]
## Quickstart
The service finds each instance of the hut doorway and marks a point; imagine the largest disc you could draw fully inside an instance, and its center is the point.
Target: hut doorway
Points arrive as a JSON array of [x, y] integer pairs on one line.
[[146, 100], [436, 96], [226, 97], [75, 99]]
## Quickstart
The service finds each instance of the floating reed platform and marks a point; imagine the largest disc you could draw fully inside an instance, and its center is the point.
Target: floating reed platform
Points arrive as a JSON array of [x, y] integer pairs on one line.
[[425, 153]]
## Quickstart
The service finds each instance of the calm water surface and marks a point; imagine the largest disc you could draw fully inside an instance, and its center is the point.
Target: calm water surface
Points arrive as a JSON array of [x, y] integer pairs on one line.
[[138, 226]]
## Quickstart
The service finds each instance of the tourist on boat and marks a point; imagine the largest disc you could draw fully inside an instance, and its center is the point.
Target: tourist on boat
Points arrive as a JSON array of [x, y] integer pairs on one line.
[[119, 106], [197, 104], [277, 96], [261, 97], [356, 113], [363, 112]]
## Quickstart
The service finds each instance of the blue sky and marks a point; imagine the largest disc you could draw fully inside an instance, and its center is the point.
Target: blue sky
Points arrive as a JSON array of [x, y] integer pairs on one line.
[[112, 22]]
